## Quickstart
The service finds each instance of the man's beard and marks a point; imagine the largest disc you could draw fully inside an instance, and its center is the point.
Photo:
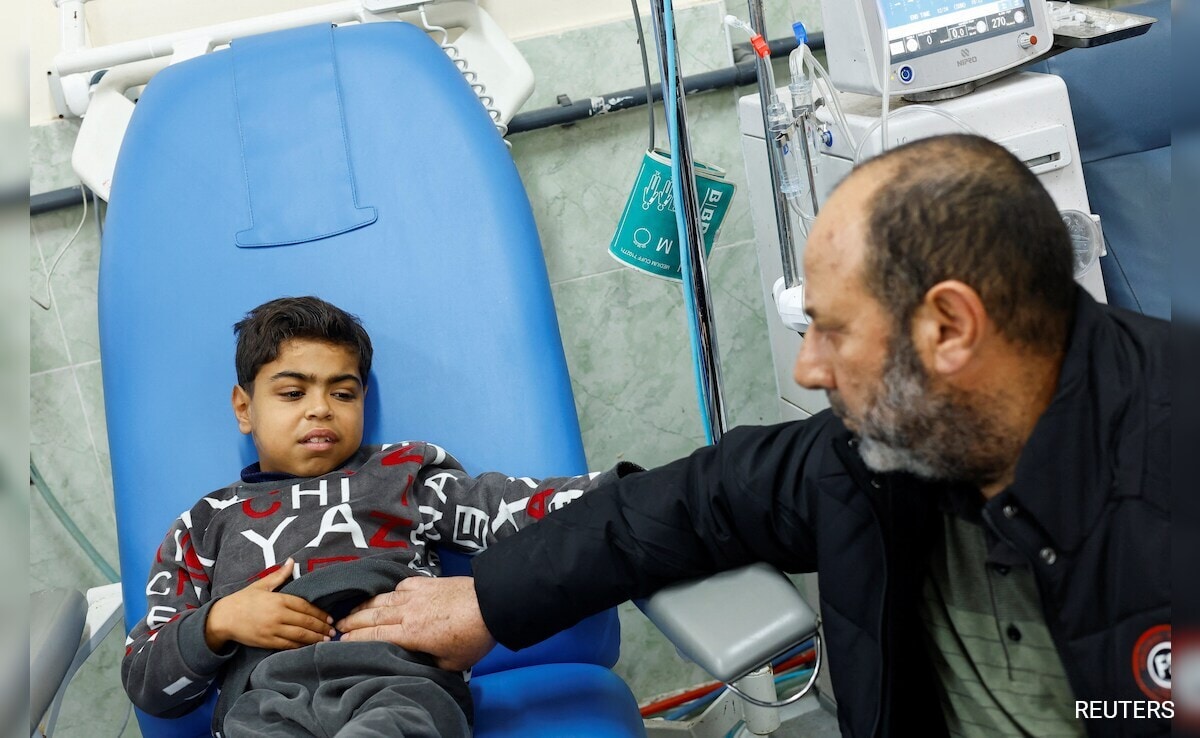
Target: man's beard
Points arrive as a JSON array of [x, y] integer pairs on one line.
[[937, 434]]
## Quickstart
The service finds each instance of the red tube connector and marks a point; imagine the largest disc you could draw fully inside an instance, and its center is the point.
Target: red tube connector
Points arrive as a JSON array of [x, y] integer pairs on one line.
[[760, 46]]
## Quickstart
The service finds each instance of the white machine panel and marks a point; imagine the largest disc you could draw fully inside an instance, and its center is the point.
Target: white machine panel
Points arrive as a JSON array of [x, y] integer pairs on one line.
[[1028, 113], [930, 44]]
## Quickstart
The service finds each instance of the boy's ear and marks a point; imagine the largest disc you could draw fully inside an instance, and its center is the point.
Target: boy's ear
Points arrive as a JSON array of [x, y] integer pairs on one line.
[[241, 408]]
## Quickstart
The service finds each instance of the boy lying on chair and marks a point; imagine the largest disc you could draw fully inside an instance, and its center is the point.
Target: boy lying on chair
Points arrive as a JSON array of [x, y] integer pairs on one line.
[[246, 585]]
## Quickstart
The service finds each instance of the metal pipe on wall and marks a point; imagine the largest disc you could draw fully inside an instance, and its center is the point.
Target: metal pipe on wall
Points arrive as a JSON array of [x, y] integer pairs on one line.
[[743, 72], [711, 399]]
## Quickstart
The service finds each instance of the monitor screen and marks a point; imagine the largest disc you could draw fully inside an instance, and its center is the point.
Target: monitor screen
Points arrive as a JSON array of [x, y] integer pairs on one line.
[[919, 27]]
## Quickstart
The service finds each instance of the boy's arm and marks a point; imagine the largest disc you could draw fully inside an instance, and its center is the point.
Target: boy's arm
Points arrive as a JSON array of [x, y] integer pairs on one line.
[[168, 667], [470, 513], [173, 656]]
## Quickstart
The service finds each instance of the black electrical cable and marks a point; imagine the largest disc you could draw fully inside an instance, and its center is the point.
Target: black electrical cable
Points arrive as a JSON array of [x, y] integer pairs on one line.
[[637, 21]]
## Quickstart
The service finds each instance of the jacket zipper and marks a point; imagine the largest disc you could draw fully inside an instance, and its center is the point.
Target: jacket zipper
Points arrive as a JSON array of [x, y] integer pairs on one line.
[[879, 628]]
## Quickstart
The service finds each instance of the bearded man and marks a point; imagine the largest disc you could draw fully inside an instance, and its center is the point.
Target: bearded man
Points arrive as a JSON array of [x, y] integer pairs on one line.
[[985, 503]]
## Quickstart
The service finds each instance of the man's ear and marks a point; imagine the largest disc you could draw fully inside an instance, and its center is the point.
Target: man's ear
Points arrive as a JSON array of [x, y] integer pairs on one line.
[[949, 326], [241, 408]]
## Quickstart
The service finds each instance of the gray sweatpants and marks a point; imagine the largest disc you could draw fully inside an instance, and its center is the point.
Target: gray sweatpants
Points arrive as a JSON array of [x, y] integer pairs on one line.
[[350, 689]]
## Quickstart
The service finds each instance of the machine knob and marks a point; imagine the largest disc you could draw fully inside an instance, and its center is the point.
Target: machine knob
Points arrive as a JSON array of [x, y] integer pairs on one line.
[[1025, 40]]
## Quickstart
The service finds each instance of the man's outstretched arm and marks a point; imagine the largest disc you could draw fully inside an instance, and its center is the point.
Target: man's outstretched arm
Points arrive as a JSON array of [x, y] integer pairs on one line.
[[746, 499]]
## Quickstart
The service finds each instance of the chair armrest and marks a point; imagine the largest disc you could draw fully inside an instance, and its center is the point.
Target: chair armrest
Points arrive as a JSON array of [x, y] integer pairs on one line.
[[734, 621], [103, 612], [56, 619]]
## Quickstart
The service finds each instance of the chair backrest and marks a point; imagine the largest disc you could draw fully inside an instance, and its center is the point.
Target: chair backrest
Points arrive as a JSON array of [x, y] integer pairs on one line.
[[353, 163], [1121, 102]]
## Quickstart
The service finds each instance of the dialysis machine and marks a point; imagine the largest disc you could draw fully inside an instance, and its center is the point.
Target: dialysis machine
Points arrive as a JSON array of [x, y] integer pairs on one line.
[[954, 64]]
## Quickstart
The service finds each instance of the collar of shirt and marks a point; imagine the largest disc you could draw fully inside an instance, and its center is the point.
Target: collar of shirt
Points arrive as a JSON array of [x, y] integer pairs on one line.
[[1067, 465], [253, 475], [965, 502]]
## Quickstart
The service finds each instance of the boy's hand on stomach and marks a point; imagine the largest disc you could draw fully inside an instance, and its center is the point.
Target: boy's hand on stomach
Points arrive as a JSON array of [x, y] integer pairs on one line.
[[261, 617]]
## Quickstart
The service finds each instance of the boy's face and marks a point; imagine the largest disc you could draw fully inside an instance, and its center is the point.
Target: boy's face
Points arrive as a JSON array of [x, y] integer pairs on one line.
[[306, 413]]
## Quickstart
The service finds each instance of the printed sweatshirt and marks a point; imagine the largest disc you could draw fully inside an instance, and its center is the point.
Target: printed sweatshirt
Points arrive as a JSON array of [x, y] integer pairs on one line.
[[382, 509]]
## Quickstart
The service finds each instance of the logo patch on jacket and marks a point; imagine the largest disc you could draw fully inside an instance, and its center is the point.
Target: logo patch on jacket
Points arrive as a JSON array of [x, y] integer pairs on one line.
[[1152, 662]]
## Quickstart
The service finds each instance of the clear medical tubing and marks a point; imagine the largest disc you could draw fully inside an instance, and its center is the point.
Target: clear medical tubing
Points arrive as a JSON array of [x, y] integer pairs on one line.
[[804, 144], [791, 181], [885, 75], [800, 86], [783, 223], [67, 522], [832, 101], [858, 151]]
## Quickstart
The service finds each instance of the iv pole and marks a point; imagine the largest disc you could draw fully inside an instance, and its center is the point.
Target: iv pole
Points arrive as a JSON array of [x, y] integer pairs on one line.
[[711, 400], [712, 403], [756, 690]]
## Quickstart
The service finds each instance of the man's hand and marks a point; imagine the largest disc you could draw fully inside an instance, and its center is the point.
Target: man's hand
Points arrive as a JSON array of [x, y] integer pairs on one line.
[[436, 616], [260, 616]]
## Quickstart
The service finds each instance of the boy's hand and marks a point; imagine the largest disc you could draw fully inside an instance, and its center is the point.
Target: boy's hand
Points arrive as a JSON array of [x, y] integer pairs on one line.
[[259, 616]]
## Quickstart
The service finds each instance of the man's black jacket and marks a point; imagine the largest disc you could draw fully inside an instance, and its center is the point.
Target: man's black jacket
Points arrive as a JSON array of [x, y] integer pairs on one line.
[[1088, 510]]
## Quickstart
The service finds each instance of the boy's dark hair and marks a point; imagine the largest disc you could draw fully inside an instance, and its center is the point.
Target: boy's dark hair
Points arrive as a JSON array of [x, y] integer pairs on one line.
[[963, 207], [268, 326]]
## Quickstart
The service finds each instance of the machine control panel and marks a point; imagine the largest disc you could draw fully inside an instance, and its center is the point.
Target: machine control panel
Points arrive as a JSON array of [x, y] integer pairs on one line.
[[927, 46]]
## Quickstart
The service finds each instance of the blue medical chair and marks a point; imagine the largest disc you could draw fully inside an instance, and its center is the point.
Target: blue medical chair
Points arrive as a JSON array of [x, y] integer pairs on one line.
[[1121, 101], [356, 164]]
